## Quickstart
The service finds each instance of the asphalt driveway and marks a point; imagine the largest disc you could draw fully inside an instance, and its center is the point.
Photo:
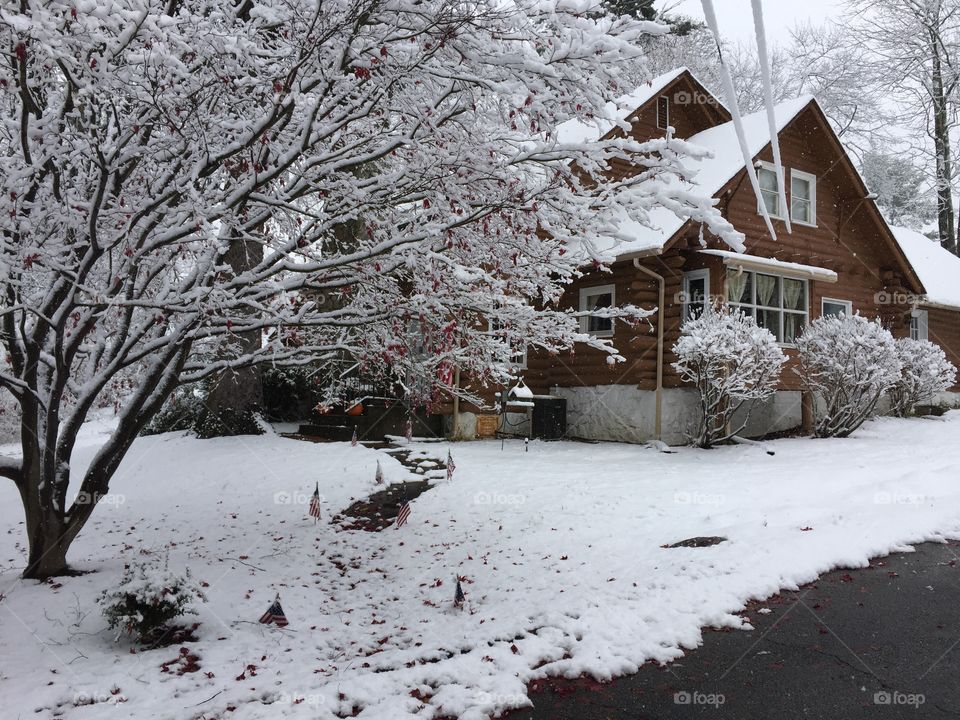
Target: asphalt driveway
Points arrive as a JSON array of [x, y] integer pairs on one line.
[[882, 642]]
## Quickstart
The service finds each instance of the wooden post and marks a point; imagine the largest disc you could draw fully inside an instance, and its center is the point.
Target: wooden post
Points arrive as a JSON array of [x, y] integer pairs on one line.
[[456, 404]]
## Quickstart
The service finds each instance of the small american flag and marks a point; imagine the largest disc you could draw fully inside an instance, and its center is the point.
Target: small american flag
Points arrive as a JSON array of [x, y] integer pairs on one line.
[[404, 514], [353, 440], [379, 477], [408, 430], [451, 466], [315, 503], [459, 598], [274, 614]]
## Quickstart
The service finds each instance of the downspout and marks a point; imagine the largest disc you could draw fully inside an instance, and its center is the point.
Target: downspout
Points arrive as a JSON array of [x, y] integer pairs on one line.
[[658, 403]]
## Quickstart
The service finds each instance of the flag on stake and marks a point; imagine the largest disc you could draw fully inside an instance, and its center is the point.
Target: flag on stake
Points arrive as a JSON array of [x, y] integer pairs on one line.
[[459, 598], [451, 466], [353, 440], [274, 614], [379, 477], [315, 504], [404, 514], [408, 430]]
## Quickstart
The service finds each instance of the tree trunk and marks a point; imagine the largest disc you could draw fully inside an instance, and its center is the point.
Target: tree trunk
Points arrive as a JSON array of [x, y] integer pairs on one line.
[[46, 532], [236, 395], [941, 142], [48, 553]]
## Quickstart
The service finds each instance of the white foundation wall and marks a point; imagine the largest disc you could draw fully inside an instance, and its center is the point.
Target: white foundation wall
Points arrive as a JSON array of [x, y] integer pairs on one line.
[[783, 411], [625, 413], [947, 399]]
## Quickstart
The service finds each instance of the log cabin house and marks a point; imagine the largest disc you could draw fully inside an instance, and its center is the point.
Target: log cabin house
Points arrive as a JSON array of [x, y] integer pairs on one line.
[[841, 256]]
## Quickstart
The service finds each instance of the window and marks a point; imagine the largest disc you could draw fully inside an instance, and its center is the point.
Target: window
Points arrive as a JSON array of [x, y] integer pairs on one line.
[[830, 306], [696, 292], [803, 198], [663, 111], [769, 190], [779, 304], [919, 322], [597, 298], [518, 356]]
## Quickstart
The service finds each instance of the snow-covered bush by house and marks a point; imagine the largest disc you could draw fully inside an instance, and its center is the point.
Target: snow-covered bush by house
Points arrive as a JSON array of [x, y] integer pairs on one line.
[[925, 372], [847, 363], [732, 362], [148, 597]]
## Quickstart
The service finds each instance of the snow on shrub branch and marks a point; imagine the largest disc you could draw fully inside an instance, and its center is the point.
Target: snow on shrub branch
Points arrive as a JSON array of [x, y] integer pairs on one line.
[[733, 363], [925, 372], [847, 363]]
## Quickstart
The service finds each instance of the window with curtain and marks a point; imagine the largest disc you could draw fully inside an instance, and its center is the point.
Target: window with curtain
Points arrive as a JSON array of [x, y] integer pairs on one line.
[[778, 304], [769, 190]]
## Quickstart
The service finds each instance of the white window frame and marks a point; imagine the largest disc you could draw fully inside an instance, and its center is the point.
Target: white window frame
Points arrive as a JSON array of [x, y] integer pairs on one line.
[[812, 180], [660, 121], [920, 325], [847, 304], [592, 291], [754, 307], [518, 358], [763, 165], [703, 273]]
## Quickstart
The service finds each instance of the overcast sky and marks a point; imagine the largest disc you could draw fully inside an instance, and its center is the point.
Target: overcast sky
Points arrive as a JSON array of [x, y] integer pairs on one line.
[[736, 16]]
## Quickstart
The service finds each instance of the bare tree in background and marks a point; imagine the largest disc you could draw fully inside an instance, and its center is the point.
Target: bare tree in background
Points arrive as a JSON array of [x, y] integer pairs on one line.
[[910, 49]]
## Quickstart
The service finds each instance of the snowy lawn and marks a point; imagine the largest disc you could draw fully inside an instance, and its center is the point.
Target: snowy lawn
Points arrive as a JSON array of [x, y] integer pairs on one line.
[[561, 548]]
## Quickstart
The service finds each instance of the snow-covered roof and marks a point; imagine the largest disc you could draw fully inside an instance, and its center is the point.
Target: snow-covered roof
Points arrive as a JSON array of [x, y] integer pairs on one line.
[[617, 111], [781, 267], [937, 268], [705, 176]]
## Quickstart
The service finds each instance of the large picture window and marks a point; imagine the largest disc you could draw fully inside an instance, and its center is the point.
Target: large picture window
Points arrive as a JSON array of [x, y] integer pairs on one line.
[[779, 304]]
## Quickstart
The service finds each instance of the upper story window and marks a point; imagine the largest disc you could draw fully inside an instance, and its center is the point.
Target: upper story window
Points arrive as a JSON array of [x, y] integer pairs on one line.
[[803, 198], [696, 292], [919, 322], [778, 304], [663, 111], [598, 297], [769, 190], [829, 306], [803, 194]]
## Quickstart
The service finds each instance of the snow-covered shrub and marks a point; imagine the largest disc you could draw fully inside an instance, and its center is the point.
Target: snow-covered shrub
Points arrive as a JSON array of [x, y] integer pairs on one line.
[[181, 411], [925, 372], [847, 363], [289, 392], [732, 362], [148, 597], [186, 409]]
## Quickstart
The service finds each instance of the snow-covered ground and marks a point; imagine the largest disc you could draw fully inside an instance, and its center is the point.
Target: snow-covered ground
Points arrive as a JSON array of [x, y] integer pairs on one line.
[[562, 548]]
